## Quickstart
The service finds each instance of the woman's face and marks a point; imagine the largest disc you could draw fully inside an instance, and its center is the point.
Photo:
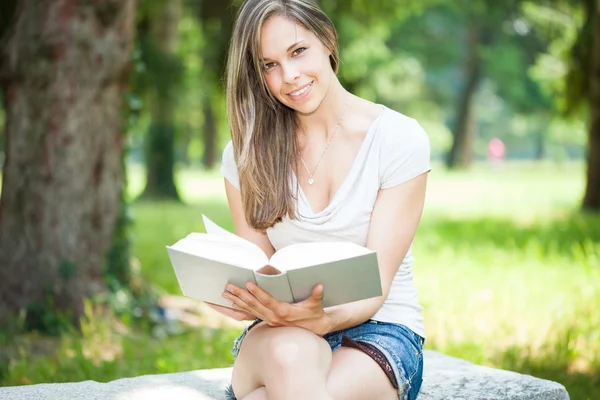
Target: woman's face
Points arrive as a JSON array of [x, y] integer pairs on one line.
[[295, 64]]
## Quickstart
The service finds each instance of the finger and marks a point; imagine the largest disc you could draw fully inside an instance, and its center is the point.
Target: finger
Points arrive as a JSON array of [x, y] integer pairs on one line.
[[239, 304], [265, 298], [247, 299], [317, 293], [278, 311]]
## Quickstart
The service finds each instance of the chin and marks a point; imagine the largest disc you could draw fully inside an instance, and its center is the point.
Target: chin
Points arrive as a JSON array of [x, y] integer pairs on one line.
[[308, 107]]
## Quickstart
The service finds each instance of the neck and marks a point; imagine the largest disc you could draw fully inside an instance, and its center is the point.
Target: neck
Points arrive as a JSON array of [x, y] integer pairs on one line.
[[321, 123]]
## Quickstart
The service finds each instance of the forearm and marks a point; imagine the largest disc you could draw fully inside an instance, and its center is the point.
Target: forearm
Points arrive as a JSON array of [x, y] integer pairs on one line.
[[351, 314], [238, 315]]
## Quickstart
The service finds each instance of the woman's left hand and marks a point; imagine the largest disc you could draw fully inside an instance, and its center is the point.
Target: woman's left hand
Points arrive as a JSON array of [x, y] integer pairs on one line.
[[307, 314]]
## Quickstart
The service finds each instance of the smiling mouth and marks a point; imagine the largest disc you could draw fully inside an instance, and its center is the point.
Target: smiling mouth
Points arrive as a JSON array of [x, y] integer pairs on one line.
[[302, 90]]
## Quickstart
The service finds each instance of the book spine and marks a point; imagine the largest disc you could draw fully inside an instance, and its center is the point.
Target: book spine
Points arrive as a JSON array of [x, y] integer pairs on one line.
[[278, 286]]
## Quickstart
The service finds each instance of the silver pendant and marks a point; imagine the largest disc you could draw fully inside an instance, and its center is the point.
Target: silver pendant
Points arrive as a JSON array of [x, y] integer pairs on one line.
[[311, 181]]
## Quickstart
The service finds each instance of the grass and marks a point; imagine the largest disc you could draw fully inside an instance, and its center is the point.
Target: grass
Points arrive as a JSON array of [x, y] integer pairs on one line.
[[507, 270]]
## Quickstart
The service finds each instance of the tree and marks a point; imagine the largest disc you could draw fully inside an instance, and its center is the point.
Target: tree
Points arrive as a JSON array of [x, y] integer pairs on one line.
[[483, 21], [462, 47], [64, 67], [216, 21], [158, 41], [583, 87], [578, 90]]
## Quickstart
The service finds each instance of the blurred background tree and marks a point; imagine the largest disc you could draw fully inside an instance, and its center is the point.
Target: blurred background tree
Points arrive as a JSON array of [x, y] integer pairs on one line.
[[63, 73], [93, 93], [159, 85], [583, 88]]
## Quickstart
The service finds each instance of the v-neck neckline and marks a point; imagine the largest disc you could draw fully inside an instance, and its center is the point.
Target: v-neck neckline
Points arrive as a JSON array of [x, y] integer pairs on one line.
[[346, 182]]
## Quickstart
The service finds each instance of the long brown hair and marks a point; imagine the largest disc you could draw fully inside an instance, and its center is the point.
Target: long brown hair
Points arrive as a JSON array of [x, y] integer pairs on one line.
[[263, 130]]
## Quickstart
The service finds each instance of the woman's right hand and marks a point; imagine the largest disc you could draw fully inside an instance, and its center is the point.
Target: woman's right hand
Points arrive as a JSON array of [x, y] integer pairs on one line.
[[238, 315]]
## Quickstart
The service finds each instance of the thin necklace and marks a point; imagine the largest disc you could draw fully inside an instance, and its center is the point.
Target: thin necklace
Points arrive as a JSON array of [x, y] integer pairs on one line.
[[311, 178]]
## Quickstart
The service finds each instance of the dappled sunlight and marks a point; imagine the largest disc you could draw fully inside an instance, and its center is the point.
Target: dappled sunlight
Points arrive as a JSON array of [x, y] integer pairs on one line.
[[112, 136], [509, 292]]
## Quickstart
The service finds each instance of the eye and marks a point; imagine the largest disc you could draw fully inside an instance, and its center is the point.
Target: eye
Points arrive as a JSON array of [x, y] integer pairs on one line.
[[268, 66], [298, 51]]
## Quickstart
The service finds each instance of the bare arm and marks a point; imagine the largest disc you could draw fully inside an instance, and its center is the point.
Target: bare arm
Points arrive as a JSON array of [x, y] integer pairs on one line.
[[242, 229], [394, 222], [238, 315], [393, 226]]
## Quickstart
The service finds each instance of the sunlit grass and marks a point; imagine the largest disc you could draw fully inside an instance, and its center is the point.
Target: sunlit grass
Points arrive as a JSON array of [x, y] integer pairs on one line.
[[507, 269]]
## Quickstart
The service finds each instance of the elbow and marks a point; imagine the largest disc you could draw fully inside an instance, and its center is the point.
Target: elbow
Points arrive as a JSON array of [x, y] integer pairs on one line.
[[376, 302], [373, 305]]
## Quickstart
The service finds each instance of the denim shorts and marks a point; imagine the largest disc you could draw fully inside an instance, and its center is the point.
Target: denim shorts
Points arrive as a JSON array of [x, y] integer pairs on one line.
[[401, 347]]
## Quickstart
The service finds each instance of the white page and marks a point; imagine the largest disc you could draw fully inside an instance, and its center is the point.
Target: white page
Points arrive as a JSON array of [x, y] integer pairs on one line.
[[214, 229], [221, 249], [306, 254]]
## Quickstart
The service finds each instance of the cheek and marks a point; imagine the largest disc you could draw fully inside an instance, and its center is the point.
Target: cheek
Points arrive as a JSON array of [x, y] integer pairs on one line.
[[273, 83]]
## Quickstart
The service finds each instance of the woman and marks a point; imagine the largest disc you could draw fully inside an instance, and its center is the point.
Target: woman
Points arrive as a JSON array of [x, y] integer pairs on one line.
[[309, 161]]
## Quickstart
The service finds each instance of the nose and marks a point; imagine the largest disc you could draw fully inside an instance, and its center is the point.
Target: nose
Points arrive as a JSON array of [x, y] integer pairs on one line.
[[290, 73]]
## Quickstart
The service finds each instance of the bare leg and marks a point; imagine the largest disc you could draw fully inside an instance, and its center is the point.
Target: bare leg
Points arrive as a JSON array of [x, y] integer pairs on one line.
[[291, 363], [355, 376]]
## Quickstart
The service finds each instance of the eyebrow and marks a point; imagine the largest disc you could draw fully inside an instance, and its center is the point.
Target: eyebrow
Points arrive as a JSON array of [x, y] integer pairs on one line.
[[288, 49]]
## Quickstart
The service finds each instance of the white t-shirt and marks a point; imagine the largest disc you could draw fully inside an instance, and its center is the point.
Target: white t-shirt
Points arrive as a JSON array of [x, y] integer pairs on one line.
[[395, 150]]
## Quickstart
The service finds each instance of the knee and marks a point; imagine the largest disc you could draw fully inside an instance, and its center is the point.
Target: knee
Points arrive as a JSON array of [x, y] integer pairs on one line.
[[290, 348]]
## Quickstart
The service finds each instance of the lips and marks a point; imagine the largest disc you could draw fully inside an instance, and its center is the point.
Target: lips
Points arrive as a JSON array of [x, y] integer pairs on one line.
[[301, 92]]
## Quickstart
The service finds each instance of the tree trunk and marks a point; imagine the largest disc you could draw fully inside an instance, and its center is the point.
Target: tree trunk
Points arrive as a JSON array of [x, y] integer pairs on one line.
[[210, 134], [216, 20], [63, 71], [464, 131], [591, 200], [160, 150], [540, 143]]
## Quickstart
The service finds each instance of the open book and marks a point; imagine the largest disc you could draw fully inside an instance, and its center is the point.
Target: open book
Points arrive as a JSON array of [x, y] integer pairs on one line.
[[205, 262]]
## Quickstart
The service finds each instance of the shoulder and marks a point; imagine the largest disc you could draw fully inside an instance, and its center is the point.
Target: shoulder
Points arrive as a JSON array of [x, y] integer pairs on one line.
[[391, 124], [404, 148], [228, 166], [396, 125], [228, 152], [399, 132]]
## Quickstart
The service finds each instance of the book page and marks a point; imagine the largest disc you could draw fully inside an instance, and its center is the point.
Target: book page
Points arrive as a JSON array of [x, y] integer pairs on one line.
[[306, 254], [221, 249], [214, 229]]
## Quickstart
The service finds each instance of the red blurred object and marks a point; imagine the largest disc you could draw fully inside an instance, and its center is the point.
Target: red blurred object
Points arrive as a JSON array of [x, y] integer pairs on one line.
[[496, 151]]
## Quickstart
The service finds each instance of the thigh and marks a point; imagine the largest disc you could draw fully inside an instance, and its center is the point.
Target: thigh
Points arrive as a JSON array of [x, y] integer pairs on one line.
[[354, 375], [393, 348], [269, 353]]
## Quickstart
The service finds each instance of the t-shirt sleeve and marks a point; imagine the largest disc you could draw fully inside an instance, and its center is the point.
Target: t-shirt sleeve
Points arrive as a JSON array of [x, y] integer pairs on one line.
[[405, 152], [228, 167]]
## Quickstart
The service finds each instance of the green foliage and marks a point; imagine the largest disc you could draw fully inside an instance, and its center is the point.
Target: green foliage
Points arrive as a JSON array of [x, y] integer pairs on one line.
[[579, 75], [67, 269], [509, 278], [106, 350], [117, 267], [559, 69], [46, 319], [160, 71], [408, 57], [118, 264]]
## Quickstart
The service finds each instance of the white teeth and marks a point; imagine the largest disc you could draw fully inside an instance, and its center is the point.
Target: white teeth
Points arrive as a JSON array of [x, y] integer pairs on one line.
[[302, 91]]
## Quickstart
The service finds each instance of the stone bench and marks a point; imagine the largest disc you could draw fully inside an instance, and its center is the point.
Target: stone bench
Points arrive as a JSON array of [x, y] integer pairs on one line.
[[444, 378]]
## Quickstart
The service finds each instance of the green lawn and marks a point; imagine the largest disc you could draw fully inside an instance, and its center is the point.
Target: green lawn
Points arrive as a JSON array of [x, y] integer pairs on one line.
[[508, 272]]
